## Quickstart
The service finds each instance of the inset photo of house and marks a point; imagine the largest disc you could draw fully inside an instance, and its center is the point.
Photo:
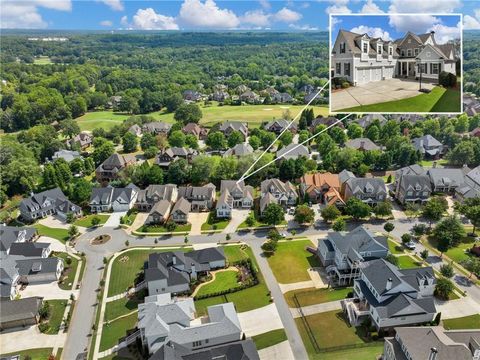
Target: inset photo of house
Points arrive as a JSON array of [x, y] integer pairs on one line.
[[401, 63]]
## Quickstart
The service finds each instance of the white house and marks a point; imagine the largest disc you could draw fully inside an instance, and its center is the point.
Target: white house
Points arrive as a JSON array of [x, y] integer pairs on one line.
[[361, 59]]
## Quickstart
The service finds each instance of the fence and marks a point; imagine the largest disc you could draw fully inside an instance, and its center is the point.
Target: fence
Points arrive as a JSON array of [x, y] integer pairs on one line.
[[310, 333]]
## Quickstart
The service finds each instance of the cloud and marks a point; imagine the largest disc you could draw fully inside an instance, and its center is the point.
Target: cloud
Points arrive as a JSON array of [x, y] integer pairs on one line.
[[25, 15], [115, 5], [471, 23], [265, 4], [424, 6], [374, 32], [148, 19], [334, 21], [303, 27], [416, 24], [287, 15], [371, 8], [338, 7], [196, 13], [444, 33], [107, 23], [256, 17], [124, 20]]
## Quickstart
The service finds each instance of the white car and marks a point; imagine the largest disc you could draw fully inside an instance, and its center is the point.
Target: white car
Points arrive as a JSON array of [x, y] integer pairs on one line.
[[410, 245]]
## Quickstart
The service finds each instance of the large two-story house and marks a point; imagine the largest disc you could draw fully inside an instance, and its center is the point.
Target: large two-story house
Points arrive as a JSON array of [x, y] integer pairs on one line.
[[321, 188], [390, 297], [49, 202], [278, 192], [413, 188], [201, 198], [277, 126], [165, 158], [361, 58], [112, 167], [228, 127], [233, 195], [148, 197], [110, 198], [370, 190], [344, 253], [428, 146]]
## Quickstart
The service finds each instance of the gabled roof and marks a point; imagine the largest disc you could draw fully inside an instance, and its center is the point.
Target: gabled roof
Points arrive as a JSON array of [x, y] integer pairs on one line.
[[283, 187], [280, 123], [18, 310], [11, 234], [293, 151], [162, 208], [182, 205], [447, 177], [362, 144], [415, 182], [359, 240], [366, 185], [414, 169], [28, 249], [239, 150], [37, 266]]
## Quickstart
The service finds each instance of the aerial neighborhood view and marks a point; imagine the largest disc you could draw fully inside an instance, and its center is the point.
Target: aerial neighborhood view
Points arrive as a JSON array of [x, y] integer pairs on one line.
[[240, 180]]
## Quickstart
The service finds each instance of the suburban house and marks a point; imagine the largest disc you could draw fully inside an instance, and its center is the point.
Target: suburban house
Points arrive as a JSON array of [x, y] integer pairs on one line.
[[82, 140], [166, 157], [20, 312], [67, 155], [110, 198], [159, 212], [293, 151], [447, 180], [30, 249], [370, 190], [180, 211], [49, 202], [369, 119], [9, 278], [471, 187], [201, 198], [362, 144], [282, 98], [228, 127], [471, 105], [220, 95], [172, 271], [278, 126], [250, 97], [39, 270], [154, 193], [390, 297], [321, 188], [195, 130], [111, 168], [361, 59], [10, 235], [274, 190], [135, 129], [156, 128], [233, 195], [169, 329], [432, 343], [343, 253], [413, 189], [428, 146], [238, 150], [325, 121], [414, 169], [191, 96]]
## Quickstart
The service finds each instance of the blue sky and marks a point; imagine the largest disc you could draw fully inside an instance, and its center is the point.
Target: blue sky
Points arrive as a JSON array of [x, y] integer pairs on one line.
[[211, 14]]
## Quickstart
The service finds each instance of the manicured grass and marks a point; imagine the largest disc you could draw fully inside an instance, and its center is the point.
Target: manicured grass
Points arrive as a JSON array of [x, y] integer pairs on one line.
[[364, 353], [458, 253], [115, 330], [313, 296], [438, 100], [42, 60], [213, 223], [429, 163], [298, 259], [235, 253], [69, 271], [59, 234], [123, 306], [57, 309], [224, 280], [86, 221], [270, 338], [161, 229], [258, 223], [108, 119], [395, 248], [466, 322], [130, 218], [34, 354], [407, 262]]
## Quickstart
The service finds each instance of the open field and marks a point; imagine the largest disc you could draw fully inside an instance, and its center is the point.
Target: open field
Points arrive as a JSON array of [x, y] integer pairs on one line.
[[42, 60], [311, 296], [253, 114], [466, 322], [298, 259]]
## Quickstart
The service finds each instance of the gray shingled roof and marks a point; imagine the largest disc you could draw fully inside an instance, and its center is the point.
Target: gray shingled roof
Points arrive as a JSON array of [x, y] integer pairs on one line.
[[415, 182], [450, 177], [359, 239], [293, 151], [11, 234], [182, 205], [362, 144], [44, 266], [28, 249], [21, 309]]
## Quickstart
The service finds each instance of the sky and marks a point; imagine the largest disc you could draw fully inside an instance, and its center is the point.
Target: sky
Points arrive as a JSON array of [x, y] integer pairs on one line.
[[214, 14]]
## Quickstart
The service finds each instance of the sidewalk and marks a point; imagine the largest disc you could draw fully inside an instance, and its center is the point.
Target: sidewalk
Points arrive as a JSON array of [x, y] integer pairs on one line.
[[316, 309]]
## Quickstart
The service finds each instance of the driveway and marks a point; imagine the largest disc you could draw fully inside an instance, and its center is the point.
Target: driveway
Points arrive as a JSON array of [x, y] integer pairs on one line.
[[281, 351], [55, 245], [376, 92], [28, 338], [197, 219], [114, 219], [260, 320], [464, 306], [54, 222], [48, 291], [238, 217]]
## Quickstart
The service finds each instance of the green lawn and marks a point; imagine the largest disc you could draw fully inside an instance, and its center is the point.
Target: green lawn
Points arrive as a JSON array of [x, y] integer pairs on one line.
[[117, 329], [235, 253], [130, 218], [258, 223], [123, 306], [108, 119], [467, 322], [86, 221], [458, 253], [364, 353], [161, 229], [42, 60], [69, 271], [313, 296], [407, 262], [429, 163], [57, 309], [213, 223], [395, 248], [224, 280], [59, 234], [298, 259], [34, 354], [438, 100], [270, 338]]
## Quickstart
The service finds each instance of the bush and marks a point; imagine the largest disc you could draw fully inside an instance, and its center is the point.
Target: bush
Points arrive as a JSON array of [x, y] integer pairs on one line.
[[345, 85], [339, 80], [43, 327], [447, 79]]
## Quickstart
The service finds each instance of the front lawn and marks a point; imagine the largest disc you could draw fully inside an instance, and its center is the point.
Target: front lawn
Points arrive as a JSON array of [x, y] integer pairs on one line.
[[162, 229], [234, 253], [68, 275], [429, 163], [395, 248], [290, 261], [86, 221], [32, 354], [57, 309], [312, 296], [363, 353], [224, 280], [458, 253], [55, 233], [214, 223], [466, 322], [270, 338], [438, 100], [258, 222], [407, 262], [123, 306], [115, 330]]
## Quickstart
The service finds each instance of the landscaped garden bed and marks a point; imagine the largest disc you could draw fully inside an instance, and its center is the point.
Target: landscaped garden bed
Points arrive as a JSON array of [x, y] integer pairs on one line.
[[70, 269], [214, 223], [101, 239]]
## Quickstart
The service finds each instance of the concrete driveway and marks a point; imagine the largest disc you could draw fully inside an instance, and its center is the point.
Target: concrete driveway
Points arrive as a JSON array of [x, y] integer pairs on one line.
[[260, 320], [114, 219], [48, 291], [281, 351], [376, 92], [238, 217], [197, 219], [464, 306], [21, 339]]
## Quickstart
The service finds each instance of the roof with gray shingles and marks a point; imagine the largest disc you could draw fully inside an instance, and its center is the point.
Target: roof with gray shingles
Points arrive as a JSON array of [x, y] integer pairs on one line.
[[28, 249], [293, 151], [37, 266], [447, 177], [12, 234], [183, 206], [280, 124], [362, 144], [359, 240], [37, 201], [197, 192], [415, 182], [366, 185], [165, 192], [21, 309], [414, 169], [234, 125], [427, 144], [239, 150], [67, 155], [161, 207], [266, 200]]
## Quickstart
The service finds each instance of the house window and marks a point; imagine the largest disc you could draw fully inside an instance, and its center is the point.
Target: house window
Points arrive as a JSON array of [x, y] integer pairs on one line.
[[403, 52], [434, 68], [196, 343], [379, 49], [342, 48], [365, 47], [390, 51], [409, 52], [346, 69], [416, 51], [409, 41], [339, 68], [423, 68]]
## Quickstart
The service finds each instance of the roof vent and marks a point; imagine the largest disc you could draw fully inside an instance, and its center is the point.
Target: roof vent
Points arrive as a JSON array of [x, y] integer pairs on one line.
[[389, 284]]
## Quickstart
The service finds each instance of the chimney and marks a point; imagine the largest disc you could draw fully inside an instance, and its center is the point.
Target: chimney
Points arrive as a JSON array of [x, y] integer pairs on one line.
[[174, 260], [432, 32], [389, 284], [362, 144], [433, 354]]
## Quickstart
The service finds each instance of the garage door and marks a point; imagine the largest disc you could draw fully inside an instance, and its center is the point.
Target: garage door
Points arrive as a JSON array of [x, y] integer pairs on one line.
[[377, 74], [363, 76], [388, 72]]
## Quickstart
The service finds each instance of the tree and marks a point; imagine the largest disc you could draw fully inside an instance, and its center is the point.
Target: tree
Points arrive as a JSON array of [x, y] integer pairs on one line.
[[176, 138], [304, 214], [103, 152], [392, 259], [191, 141], [188, 113], [70, 218], [179, 172], [448, 233], [357, 209], [273, 214], [73, 231], [269, 247], [471, 210], [339, 225], [250, 220], [254, 142], [472, 265], [173, 102], [383, 209], [424, 254], [286, 138], [150, 152], [447, 270], [434, 209], [129, 142], [330, 213], [406, 238], [388, 227], [148, 140], [69, 128], [216, 140], [95, 221], [76, 166], [444, 288], [354, 131], [235, 138]]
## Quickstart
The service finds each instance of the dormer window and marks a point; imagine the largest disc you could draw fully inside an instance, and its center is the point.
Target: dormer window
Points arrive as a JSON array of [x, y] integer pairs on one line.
[[403, 52], [342, 48], [379, 49], [390, 51], [365, 47]]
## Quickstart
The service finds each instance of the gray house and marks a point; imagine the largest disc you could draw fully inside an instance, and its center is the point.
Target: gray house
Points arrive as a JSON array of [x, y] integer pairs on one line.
[[67, 155], [156, 128], [232, 196], [344, 253], [471, 187], [390, 297], [172, 272], [293, 151], [180, 211], [19, 313], [49, 202], [202, 198], [154, 193], [279, 192], [239, 150], [112, 167], [38, 270], [428, 146], [414, 169], [447, 180], [110, 198], [370, 190], [362, 144], [413, 189], [277, 126], [159, 213], [10, 235], [228, 127], [165, 158]]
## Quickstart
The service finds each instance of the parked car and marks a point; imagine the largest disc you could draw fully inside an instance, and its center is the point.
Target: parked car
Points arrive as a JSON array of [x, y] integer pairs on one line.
[[410, 245]]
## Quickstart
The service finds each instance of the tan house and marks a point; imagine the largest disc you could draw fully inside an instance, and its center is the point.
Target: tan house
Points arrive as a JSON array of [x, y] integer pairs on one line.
[[322, 188]]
